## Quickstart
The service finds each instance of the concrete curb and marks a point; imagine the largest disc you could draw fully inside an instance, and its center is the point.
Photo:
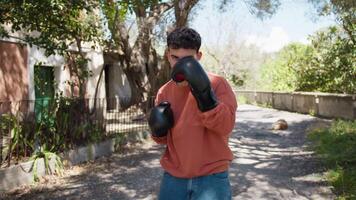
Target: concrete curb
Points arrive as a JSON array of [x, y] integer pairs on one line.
[[22, 174]]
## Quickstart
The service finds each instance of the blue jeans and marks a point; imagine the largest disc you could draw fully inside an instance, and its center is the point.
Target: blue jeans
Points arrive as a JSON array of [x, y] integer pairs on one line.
[[210, 187]]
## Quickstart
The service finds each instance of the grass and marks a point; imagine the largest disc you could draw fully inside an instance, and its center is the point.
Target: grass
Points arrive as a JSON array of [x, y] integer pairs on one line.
[[336, 146]]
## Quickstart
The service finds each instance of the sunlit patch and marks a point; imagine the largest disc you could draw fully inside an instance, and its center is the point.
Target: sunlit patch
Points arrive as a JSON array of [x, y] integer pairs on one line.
[[245, 161], [265, 165]]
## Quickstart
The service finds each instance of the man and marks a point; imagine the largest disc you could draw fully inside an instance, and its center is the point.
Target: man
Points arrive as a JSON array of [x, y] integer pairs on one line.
[[194, 116]]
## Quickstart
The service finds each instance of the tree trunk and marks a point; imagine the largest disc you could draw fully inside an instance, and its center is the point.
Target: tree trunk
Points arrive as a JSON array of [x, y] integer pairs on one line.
[[145, 70], [182, 10]]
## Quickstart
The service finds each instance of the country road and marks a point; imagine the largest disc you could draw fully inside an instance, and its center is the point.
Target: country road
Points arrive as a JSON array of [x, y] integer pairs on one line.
[[268, 164]]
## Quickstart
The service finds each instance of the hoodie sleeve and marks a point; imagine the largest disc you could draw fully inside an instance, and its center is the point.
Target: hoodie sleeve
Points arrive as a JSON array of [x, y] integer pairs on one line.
[[221, 119]]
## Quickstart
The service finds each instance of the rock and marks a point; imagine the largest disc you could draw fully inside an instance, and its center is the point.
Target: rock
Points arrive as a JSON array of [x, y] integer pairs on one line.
[[280, 124]]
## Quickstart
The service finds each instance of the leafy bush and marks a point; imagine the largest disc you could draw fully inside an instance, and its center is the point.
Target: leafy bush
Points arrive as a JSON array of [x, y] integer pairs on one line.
[[331, 67], [59, 125], [281, 73], [337, 148], [327, 65]]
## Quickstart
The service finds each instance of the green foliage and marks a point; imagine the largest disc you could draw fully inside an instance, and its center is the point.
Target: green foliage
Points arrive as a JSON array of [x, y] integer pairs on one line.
[[327, 65], [344, 180], [331, 67], [47, 157], [337, 143], [62, 124], [263, 8], [52, 25], [337, 148], [344, 10], [72, 125], [113, 12], [260, 8], [18, 136], [79, 72], [280, 74], [238, 80]]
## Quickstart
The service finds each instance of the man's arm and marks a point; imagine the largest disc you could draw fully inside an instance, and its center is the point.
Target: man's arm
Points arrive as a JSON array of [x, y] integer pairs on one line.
[[189, 68], [163, 139], [221, 119]]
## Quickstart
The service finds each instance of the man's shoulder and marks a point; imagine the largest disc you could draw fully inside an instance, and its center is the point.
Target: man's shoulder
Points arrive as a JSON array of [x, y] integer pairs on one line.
[[216, 79], [213, 75], [167, 86]]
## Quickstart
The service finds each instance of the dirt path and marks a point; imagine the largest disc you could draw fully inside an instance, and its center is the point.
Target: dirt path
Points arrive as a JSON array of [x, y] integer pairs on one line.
[[274, 164], [268, 165]]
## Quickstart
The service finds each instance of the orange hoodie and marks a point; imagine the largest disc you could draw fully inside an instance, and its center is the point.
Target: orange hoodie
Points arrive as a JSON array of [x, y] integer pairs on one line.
[[197, 145]]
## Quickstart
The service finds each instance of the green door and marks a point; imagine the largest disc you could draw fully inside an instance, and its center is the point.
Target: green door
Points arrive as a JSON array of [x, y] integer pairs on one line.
[[44, 91]]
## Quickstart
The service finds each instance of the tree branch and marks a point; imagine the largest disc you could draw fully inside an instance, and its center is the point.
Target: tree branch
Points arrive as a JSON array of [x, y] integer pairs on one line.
[[182, 12], [346, 24], [157, 12]]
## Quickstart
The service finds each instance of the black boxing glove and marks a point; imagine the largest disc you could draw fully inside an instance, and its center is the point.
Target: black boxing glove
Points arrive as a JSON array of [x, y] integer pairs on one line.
[[161, 119], [189, 69]]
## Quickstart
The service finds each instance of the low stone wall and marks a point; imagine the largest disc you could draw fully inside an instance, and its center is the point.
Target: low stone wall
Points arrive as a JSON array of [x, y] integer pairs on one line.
[[319, 104], [282, 101], [23, 173], [264, 98]]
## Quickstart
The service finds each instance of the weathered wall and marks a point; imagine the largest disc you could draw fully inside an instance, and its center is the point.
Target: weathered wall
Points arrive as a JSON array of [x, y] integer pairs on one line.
[[95, 64], [282, 101], [13, 71], [14, 80], [319, 104], [119, 90]]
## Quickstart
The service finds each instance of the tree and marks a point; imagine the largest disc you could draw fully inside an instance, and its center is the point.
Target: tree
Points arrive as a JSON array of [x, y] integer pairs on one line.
[[139, 60], [54, 26], [236, 61], [61, 23], [145, 69], [344, 10], [327, 65], [331, 67], [281, 73]]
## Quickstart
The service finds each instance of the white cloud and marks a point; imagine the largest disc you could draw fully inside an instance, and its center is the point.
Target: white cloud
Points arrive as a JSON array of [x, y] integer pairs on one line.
[[273, 42]]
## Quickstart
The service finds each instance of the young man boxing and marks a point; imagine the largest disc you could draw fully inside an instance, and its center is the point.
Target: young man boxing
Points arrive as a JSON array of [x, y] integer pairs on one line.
[[194, 117]]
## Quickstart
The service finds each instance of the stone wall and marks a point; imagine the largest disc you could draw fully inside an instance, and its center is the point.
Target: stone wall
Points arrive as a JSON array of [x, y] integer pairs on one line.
[[319, 104]]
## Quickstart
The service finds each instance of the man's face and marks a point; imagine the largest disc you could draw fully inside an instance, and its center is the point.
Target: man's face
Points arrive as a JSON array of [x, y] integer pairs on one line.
[[174, 55]]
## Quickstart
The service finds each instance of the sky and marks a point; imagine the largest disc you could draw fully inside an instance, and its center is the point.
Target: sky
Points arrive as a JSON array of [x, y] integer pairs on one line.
[[293, 22]]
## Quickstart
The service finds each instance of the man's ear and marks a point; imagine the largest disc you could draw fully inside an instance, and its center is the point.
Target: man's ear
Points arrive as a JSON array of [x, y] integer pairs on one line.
[[199, 55]]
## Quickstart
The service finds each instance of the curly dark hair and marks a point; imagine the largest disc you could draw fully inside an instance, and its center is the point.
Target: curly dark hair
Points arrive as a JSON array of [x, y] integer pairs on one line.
[[184, 37]]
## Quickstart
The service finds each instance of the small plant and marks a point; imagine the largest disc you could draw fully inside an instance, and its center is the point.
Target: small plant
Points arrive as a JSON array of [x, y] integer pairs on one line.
[[95, 132], [120, 140], [47, 157], [19, 143], [312, 112], [265, 105]]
